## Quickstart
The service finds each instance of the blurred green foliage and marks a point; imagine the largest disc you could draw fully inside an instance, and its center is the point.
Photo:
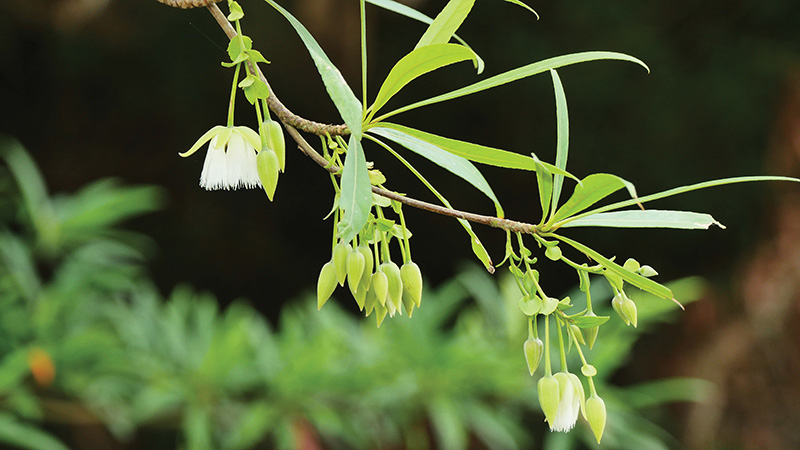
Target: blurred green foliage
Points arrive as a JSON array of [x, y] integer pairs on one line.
[[85, 337]]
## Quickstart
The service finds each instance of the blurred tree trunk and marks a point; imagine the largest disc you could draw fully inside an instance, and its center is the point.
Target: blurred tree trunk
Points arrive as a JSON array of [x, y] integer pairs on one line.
[[755, 358]]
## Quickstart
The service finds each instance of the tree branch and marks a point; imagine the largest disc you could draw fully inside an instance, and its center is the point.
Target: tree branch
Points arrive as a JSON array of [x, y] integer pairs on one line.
[[293, 122]]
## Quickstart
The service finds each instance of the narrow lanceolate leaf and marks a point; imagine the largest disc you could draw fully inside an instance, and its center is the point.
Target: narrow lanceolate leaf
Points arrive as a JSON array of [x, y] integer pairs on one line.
[[454, 163], [519, 73], [681, 190], [562, 146], [635, 279], [411, 13], [446, 23], [589, 191], [478, 153], [651, 218], [356, 197], [519, 3], [346, 102], [544, 180], [417, 63]]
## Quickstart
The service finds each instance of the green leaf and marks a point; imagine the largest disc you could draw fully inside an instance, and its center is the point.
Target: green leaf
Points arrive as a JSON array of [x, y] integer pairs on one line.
[[446, 23], [411, 13], [681, 190], [589, 191], [544, 180], [651, 218], [635, 279], [517, 74], [419, 62], [23, 435], [478, 153], [519, 3], [356, 197], [346, 102], [562, 146], [589, 321], [454, 163]]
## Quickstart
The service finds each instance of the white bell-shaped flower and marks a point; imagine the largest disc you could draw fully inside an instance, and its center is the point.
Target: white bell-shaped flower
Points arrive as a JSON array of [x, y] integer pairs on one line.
[[231, 159], [572, 401]]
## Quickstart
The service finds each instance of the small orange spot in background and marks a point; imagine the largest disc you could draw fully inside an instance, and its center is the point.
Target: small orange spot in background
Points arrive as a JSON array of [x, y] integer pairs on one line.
[[42, 367]]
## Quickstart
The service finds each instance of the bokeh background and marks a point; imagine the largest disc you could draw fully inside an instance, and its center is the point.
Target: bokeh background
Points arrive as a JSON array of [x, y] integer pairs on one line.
[[97, 88]]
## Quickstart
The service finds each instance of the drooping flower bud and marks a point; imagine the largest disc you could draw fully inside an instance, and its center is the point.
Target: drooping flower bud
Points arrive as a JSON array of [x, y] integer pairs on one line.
[[408, 303], [549, 397], [340, 253], [631, 264], [534, 349], [267, 166], [596, 416], [326, 283], [577, 334], [412, 281], [380, 314], [629, 309], [380, 285], [276, 141], [591, 333], [355, 269], [395, 283], [616, 303]]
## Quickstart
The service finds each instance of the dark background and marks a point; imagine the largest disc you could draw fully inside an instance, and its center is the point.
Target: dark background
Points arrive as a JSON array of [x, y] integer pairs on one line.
[[118, 88]]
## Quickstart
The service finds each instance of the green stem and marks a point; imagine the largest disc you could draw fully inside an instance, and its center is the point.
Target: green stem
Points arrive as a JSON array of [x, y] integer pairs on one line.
[[232, 102], [363, 52], [407, 255], [561, 346], [547, 370], [530, 327]]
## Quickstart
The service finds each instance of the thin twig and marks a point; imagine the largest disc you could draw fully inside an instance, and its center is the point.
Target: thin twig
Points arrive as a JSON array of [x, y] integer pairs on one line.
[[495, 222]]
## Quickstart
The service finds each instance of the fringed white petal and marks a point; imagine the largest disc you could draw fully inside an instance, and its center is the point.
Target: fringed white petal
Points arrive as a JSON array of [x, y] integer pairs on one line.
[[241, 164], [213, 176]]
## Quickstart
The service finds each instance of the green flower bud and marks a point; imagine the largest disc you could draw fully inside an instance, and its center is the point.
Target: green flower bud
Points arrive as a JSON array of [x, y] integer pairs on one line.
[[647, 271], [549, 397], [616, 303], [276, 141], [408, 303], [553, 253], [412, 281], [267, 166], [326, 284], [340, 253], [380, 285], [577, 334], [395, 292], [380, 314], [591, 333], [370, 302], [359, 296], [369, 262], [629, 309], [596, 415], [534, 349], [355, 269]]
